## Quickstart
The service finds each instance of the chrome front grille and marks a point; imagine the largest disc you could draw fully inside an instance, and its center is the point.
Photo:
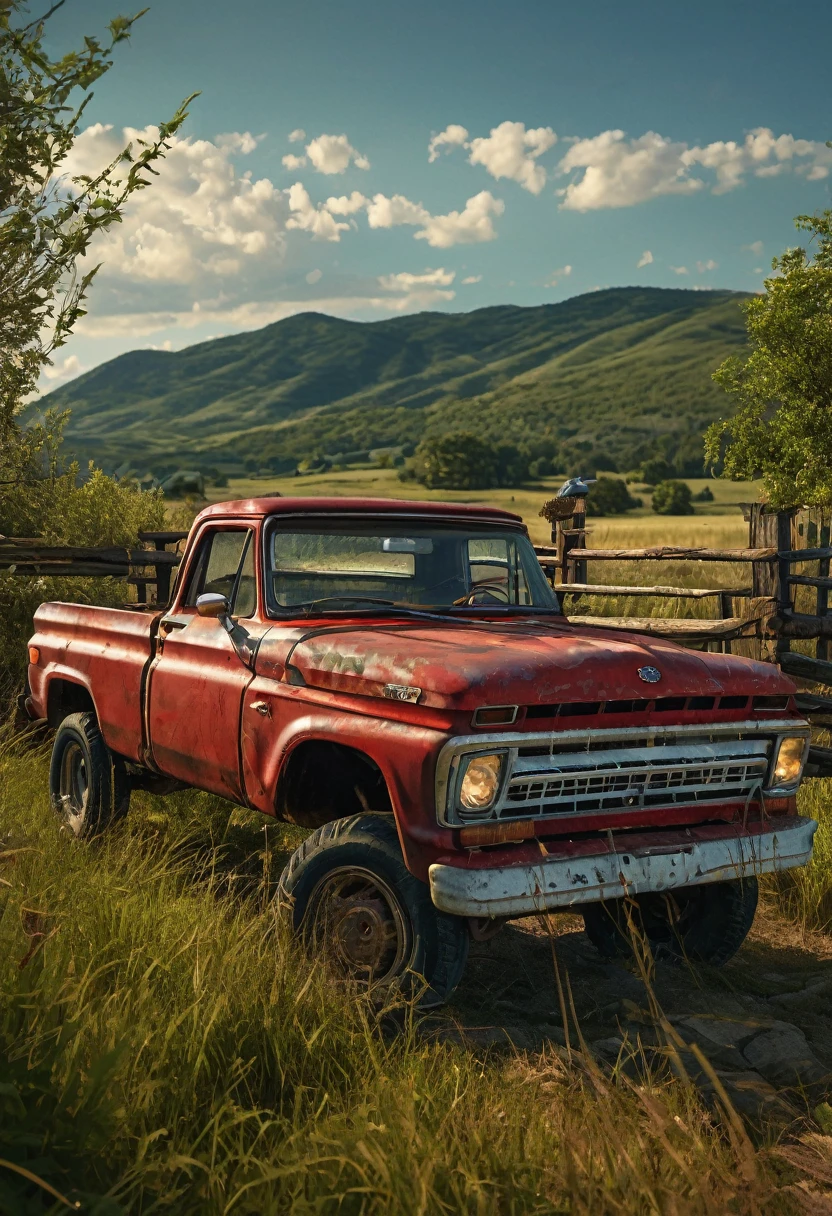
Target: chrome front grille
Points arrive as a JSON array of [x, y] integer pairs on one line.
[[633, 777], [579, 772]]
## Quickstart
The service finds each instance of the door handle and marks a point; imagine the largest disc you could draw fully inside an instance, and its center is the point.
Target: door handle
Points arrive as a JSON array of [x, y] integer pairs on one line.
[[262, 707]]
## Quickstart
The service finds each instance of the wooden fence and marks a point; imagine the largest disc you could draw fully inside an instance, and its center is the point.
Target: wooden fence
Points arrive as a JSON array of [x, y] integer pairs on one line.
[[784, 602]]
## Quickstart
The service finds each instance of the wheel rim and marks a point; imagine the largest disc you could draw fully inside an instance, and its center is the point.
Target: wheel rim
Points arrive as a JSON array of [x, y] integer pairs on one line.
[[360, 925], [73, 787]]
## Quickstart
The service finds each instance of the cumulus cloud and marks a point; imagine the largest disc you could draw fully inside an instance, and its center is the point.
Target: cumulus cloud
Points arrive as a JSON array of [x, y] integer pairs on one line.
[[509, 151], [563, 272], [679, 269], [645, 259], [332, 154], [314, 277], [704, 267], [611, 170], [405, 281], [201, 220], [453, 136], [472, 278], [297, 135], [754, 247], [311, 217], [293, 163], [65, 370], [470, 226], [347, 204]]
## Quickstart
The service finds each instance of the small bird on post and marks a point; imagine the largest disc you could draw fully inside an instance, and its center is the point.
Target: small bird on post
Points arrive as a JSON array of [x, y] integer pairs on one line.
[[576, 487]]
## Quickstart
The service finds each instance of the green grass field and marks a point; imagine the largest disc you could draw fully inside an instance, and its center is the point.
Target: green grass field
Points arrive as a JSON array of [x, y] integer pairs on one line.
[[164, 1048]]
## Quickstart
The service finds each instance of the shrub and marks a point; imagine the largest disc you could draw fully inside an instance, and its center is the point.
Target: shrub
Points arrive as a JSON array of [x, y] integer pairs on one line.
[[456, 461], [655, 471], [610, 496], [673, 498], [706, 494]]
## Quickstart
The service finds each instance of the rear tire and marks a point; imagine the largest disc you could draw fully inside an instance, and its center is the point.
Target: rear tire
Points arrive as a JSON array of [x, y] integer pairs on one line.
[[702, 924], [352, 899], [88, 784]]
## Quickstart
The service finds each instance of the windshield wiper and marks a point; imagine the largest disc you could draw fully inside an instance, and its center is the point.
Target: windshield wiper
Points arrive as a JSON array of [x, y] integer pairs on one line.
[[347, 598]]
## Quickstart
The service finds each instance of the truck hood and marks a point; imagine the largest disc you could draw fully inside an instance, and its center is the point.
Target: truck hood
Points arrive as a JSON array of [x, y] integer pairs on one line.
[[463, 665]]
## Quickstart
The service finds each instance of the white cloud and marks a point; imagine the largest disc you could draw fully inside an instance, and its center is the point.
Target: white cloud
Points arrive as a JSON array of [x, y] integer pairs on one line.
[[758, 270], [201, 221], [563, 272], [309, 217], [239, 141], [293, 163], [405, 281], [332, 154], [511, 151], [679, 269], [314, 277], [470, 226], [645, 259], [614, 171], [347, 204], [297, 135], [65, 370], [704, 267], [754, 247], [472, 278], [453, 136]]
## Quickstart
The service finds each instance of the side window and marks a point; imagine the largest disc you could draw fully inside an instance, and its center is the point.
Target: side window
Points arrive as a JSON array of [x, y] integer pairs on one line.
[[494, 566], [226, 566]]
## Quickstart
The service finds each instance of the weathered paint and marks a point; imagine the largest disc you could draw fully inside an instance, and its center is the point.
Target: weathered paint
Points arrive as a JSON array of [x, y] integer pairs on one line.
[[183, 702]]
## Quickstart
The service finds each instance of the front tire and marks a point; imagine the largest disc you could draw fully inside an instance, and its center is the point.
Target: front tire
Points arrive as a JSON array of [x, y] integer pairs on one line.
[[88, 784], [352, 899], [701, 924]]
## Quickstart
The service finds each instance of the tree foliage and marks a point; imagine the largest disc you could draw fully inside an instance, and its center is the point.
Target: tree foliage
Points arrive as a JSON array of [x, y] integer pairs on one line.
[[673, 498], [47, 221], [782, 428], [610, 496]]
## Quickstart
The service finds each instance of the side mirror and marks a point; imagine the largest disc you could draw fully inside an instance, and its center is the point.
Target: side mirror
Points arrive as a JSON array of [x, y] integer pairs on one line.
[[212, 604]]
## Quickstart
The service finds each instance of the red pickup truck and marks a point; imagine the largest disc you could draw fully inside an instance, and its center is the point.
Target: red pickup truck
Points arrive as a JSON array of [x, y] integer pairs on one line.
[[399, 678]]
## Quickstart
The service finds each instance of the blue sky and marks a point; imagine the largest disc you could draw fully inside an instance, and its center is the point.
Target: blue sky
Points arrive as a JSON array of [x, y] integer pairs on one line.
[[580, 146]]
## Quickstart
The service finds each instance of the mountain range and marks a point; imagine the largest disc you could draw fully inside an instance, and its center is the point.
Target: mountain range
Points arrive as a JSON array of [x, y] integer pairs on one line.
[[613, 375]]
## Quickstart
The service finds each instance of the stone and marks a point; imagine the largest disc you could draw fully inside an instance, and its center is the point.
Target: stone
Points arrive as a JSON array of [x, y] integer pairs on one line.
[[783, 1056]]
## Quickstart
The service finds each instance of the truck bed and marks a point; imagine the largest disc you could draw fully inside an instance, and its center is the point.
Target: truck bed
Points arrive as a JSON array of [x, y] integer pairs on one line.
[[104, 651]]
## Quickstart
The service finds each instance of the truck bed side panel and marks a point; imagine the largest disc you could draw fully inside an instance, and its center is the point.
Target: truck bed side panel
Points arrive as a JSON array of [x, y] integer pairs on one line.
[[106, 650]]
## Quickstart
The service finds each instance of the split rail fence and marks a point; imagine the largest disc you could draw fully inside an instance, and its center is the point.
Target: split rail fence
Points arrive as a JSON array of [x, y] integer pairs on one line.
[[781, 613]]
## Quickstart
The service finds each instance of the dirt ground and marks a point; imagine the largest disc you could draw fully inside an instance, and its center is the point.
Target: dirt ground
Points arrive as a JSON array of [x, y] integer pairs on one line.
[[763, 1022]]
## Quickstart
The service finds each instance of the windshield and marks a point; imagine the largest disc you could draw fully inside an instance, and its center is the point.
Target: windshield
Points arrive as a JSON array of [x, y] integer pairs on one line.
[[419, 566]]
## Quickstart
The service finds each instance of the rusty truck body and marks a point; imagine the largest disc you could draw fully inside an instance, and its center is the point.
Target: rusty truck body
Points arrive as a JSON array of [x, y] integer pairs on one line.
[[398, 677]]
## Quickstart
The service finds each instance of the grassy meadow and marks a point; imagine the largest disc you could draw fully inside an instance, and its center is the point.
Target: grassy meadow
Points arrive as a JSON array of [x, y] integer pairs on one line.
[[164, 1048]]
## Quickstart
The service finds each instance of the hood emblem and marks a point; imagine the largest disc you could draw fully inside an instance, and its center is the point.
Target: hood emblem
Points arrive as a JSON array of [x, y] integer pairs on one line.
[[650, 675], [402, 692]]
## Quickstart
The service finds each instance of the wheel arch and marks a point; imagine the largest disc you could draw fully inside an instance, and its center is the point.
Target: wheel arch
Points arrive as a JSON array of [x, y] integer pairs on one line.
[[67, 696], [322, 780]]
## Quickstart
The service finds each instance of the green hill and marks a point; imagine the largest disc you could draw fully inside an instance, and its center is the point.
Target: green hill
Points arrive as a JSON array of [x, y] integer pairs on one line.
[[611, 375]]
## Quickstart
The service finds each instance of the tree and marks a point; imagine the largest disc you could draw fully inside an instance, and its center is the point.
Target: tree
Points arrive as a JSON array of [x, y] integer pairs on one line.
[[47, 222], [782, 428], [456, 461], [655, 470], [672, 498], [610, 496]]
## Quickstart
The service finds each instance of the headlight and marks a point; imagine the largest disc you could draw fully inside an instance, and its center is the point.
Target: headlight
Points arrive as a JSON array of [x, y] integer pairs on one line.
[[481, 782], [788, 764]]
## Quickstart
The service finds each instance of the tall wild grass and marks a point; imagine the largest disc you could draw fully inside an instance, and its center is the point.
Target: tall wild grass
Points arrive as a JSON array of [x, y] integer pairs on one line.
[[165, 1048]]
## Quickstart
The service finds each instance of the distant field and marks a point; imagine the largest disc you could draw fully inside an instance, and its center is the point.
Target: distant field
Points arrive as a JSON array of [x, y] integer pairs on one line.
[[715, 523]]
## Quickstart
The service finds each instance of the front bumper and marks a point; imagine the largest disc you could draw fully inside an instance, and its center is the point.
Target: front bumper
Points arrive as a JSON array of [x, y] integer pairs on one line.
[[565, 880]]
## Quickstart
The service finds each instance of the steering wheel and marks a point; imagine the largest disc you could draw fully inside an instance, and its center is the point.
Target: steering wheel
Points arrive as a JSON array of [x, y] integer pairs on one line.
[[489, 587]]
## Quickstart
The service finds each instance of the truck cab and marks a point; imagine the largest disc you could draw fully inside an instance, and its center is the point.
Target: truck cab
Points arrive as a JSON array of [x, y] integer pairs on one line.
[[398, 678]]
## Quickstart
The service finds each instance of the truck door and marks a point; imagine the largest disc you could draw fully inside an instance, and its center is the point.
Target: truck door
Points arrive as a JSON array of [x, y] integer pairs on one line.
[[198, 680]]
